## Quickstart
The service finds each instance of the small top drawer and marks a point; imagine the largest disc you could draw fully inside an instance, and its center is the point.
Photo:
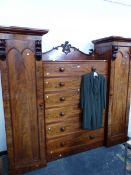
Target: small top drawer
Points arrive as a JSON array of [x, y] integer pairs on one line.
[[73, 69]]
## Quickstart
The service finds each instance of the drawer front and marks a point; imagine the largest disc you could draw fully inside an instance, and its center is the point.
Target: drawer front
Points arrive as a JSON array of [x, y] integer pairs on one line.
[[61, 114], [75, 139], [68, 145], [73, 69], [54, 84], [62, 99], [63, 128]]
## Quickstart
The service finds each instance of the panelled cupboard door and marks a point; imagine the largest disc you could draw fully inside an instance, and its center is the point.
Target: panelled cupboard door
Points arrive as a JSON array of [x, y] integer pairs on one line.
[[119, 96], [23, 101]]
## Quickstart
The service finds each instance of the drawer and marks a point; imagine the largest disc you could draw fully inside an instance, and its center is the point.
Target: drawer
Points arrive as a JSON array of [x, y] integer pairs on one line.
[[72, 69], [62, 98], [61, 114], [57, 148], [77, 138], [54, 84], [60, 129]]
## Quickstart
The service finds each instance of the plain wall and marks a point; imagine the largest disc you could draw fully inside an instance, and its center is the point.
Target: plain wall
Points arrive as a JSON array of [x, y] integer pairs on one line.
[[76, 21]]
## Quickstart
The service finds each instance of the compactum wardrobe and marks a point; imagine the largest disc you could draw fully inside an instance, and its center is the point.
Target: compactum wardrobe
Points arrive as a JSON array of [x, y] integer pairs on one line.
[[41, 94]]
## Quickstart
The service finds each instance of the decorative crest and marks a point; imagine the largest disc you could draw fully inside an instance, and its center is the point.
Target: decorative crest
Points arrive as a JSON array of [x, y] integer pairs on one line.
[[66, 47]]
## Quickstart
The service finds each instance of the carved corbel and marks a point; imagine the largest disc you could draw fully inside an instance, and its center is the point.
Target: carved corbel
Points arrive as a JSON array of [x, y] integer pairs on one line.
[[38, 50], [114, 52], [2, 49]]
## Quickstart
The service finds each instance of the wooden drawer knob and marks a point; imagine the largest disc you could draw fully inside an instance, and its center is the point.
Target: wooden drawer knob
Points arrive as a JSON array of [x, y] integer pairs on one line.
[[62, 114], [62, 144], [61, 69], [92, 137], [62, 98], [62, 129], [62, 84]]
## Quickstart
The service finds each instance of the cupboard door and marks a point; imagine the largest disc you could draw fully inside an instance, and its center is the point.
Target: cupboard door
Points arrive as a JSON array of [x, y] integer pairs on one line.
[[25, 123], [119, 96]]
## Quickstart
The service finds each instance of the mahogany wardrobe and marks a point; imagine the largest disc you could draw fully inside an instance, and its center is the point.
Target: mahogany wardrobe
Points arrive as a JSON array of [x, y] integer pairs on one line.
[[41, 95]]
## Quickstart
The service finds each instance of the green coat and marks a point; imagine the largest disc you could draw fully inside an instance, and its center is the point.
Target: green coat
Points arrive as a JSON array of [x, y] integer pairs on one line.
[[92, 100]]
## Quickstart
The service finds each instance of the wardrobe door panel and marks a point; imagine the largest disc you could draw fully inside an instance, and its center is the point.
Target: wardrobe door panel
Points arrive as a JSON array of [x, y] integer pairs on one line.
[[22, 82], [120, 93]]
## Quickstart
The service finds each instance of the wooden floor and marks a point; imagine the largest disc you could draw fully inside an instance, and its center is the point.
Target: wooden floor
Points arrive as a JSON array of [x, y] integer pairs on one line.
[[0, 166]]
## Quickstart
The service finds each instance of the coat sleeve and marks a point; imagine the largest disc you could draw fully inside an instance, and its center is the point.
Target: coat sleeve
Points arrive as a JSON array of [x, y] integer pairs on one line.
[[82, 93]]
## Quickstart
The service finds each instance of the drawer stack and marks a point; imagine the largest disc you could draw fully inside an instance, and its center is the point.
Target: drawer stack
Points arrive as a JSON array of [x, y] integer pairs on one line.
[[64, 134]]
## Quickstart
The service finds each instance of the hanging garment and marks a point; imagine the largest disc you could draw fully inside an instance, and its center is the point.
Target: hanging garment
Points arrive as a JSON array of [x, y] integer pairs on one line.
[[92, 100]]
